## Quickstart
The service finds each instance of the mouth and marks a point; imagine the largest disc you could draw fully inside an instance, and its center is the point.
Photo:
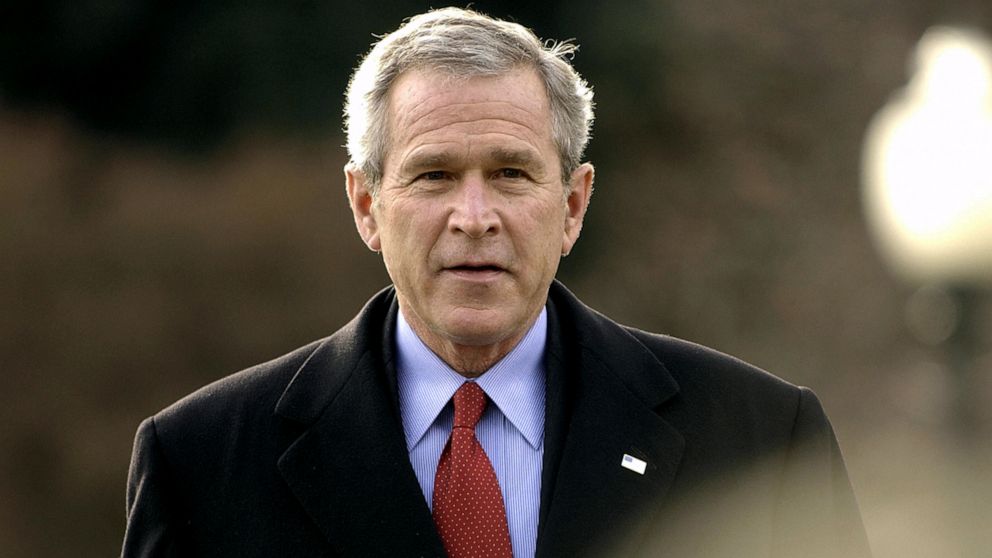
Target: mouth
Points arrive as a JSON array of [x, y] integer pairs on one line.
[[482, 271], [475, 268]]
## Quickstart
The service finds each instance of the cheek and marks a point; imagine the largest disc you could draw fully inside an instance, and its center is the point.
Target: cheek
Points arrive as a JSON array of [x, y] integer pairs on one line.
[[552, 222], [400, 224], [541, 239], [410, 236]]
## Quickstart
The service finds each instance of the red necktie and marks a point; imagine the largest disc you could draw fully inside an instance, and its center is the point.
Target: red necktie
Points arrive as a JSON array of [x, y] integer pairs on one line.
[[468, 506]]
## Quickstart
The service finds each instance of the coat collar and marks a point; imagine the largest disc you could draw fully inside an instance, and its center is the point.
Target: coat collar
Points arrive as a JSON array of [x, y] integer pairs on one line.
[[350, 470], [366, 338], [606, 396]]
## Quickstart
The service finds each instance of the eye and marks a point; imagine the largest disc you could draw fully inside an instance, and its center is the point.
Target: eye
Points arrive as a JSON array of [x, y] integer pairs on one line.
[[510, 173], [432, 175]]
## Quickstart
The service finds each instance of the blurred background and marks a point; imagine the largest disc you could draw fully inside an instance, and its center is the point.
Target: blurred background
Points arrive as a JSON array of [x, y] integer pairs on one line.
[[172, 210]]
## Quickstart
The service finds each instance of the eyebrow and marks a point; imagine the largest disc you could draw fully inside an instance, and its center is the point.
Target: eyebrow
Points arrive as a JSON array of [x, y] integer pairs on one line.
[[427, 161], [501, 156], [516, 157]]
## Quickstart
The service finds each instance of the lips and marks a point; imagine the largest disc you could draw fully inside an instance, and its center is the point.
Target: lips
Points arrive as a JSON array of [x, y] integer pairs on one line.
[[475, 271], [475, 267]]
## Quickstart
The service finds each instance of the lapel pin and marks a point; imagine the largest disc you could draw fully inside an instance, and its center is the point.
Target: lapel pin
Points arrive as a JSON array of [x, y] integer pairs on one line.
[[634, 464]]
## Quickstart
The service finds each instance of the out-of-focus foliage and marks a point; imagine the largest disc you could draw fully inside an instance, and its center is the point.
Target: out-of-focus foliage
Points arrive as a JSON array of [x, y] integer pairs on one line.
[[172, 210], [188, 74]]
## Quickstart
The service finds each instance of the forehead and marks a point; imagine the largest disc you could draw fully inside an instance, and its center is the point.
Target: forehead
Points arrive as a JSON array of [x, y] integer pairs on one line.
[[425, 102], [419, 90]]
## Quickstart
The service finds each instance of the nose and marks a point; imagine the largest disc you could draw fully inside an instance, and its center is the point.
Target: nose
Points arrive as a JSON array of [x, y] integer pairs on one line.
[[474, 213]]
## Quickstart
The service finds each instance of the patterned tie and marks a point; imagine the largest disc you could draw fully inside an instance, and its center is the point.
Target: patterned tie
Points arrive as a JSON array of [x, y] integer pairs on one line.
[[468, 506]]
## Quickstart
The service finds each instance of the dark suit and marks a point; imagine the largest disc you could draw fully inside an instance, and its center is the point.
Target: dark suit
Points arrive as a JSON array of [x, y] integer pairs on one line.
[[305, 455]]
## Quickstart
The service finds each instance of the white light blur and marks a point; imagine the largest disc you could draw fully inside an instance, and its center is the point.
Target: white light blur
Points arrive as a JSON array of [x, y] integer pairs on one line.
[[928, 163]]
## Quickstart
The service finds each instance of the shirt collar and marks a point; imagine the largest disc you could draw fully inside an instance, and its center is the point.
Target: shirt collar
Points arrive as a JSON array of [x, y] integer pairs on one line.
[[515, 384]]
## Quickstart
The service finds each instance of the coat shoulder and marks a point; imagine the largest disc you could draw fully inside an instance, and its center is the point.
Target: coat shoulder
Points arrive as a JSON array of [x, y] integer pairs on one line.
[[709, 384], [249, 393], [693, 363], [725, 393]]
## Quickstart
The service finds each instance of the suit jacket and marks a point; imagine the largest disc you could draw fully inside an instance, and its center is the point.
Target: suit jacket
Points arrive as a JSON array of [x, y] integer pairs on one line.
[[305, 455]]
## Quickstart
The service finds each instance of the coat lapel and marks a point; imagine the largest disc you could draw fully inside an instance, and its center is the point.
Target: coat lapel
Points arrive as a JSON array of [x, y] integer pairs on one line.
[[604, 388], [349, 468]]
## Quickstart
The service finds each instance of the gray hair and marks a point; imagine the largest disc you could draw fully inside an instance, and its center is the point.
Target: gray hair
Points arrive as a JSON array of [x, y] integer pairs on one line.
[[463, 43]]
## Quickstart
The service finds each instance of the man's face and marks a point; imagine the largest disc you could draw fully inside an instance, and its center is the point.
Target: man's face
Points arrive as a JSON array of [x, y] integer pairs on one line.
[[471, 216]]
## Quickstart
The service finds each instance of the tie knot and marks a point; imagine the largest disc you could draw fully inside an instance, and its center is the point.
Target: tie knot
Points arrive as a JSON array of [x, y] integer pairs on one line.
[[469, 401]]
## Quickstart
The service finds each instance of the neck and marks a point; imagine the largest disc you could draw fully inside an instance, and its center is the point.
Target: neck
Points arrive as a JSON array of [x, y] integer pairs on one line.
[[470, 361]]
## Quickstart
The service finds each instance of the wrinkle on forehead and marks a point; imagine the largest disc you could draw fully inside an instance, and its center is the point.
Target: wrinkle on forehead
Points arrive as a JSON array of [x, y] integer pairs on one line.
[[435, 101], [472, 117]]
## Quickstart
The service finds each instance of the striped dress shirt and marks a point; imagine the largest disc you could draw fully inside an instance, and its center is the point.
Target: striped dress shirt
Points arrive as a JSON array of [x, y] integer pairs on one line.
[[511, 429]]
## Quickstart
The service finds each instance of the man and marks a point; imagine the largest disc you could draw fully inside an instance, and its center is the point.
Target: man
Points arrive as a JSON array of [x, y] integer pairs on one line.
[[476, 407]]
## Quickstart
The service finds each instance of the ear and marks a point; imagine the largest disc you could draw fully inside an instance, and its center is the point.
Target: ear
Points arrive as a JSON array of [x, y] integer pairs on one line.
[[576, 204], [361, 201]]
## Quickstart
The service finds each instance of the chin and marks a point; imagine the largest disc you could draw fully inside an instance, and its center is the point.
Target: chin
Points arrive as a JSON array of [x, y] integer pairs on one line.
[[479, 328], [477, 337]]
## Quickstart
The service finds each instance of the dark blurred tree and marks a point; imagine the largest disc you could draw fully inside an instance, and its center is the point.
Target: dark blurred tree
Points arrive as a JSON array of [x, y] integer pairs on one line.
[[187, 74]]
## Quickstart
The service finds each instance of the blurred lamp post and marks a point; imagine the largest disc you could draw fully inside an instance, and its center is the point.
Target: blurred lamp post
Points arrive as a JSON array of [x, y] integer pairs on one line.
[[927, 177]]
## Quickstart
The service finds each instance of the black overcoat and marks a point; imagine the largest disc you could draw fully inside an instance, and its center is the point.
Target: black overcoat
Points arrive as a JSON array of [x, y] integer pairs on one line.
[[305, 455]]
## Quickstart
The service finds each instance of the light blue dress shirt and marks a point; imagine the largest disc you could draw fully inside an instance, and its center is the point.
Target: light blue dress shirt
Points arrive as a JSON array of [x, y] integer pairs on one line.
[[511, 429]]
